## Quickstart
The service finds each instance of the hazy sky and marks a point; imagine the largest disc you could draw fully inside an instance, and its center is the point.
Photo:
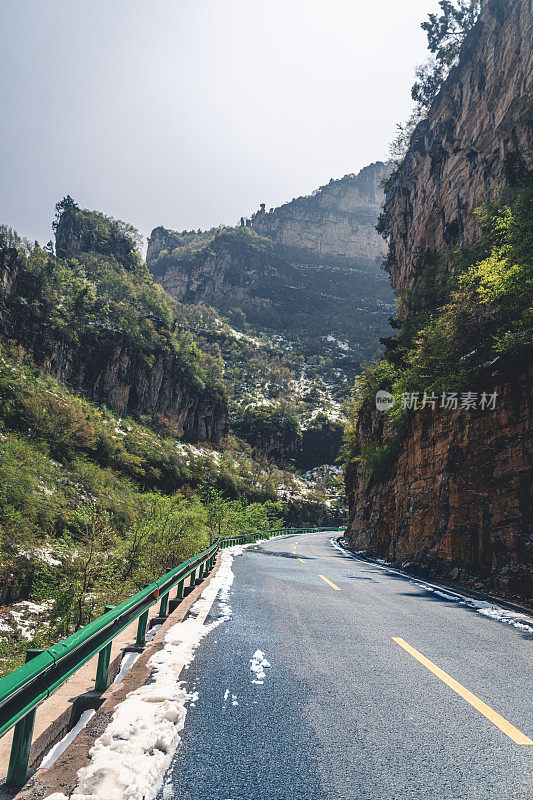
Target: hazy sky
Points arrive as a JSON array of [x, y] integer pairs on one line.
[[189, 113]]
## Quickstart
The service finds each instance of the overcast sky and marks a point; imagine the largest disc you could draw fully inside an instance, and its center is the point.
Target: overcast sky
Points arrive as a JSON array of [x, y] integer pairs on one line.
[[189, 113]]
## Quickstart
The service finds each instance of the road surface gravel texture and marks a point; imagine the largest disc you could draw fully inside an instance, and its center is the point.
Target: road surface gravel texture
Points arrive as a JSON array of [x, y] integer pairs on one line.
[[344, 711]]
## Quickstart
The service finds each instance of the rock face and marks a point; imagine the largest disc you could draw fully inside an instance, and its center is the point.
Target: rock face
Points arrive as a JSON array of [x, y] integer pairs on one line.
[[237, 269], [301, 269], [321, 444], [274, 438], [335, 224], [458, 155], [165, 239], [458, 496], [111, 370]]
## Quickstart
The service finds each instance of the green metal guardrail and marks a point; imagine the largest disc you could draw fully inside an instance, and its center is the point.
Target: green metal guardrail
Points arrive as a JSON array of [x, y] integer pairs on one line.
[[45, 670]]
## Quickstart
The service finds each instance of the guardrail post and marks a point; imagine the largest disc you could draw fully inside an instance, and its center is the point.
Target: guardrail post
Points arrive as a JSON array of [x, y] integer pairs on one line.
[[200, 577], [20, 748], [141, 628], [179, 590], [163, 606], [102, 670]]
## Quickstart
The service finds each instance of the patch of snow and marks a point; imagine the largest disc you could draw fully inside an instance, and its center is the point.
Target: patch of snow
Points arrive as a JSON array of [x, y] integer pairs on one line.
[[45, 490], [258, 664], [151, 633], [444, 595], [324, 470], [34, 608], [344, 346], [334, 543], [244, 336], [5, 629], [514, 618], [128, 660], [517, 620], [22, 612], [45, 555], [62, 745], [131, 757]]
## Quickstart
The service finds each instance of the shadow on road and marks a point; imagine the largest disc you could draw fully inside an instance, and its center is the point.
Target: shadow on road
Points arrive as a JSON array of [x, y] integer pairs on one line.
[[279, 554], [426, 594]]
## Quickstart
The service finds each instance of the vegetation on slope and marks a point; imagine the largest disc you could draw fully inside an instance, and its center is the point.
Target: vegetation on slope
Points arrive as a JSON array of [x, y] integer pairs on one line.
[[311, 307], [465, 315], [78, 230], [94, 504], [194, 248], [92, 298]]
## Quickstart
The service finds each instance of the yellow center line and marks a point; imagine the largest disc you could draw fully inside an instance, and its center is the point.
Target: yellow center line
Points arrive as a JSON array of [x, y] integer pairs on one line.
[[513, 733], [330, 583]]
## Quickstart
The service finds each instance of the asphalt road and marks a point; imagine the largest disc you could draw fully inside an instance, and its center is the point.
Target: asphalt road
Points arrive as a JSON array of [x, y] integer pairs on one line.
[[346, 711]]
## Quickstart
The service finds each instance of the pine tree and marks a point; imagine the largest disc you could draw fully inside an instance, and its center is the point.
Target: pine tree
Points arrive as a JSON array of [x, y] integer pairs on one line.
[[445, 35]]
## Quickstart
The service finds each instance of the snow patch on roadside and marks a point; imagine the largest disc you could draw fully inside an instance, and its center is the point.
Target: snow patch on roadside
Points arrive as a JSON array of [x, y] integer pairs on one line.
[[131, 757], [516, 619], [520, 621], [62, 745], [334, 543], [128, 661]]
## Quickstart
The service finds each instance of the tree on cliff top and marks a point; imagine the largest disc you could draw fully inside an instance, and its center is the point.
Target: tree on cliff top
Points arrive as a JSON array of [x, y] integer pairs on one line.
[[445, 34]]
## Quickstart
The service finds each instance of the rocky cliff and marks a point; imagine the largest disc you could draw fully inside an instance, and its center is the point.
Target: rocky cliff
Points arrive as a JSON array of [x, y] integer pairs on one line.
[[301, 269], [334, 224], [481, 121], [78, 230], [111, 368], [456, 497], [459, 497]]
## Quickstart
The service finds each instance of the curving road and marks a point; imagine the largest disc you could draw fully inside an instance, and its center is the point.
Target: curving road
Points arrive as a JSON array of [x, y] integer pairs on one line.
[[378, 689]]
